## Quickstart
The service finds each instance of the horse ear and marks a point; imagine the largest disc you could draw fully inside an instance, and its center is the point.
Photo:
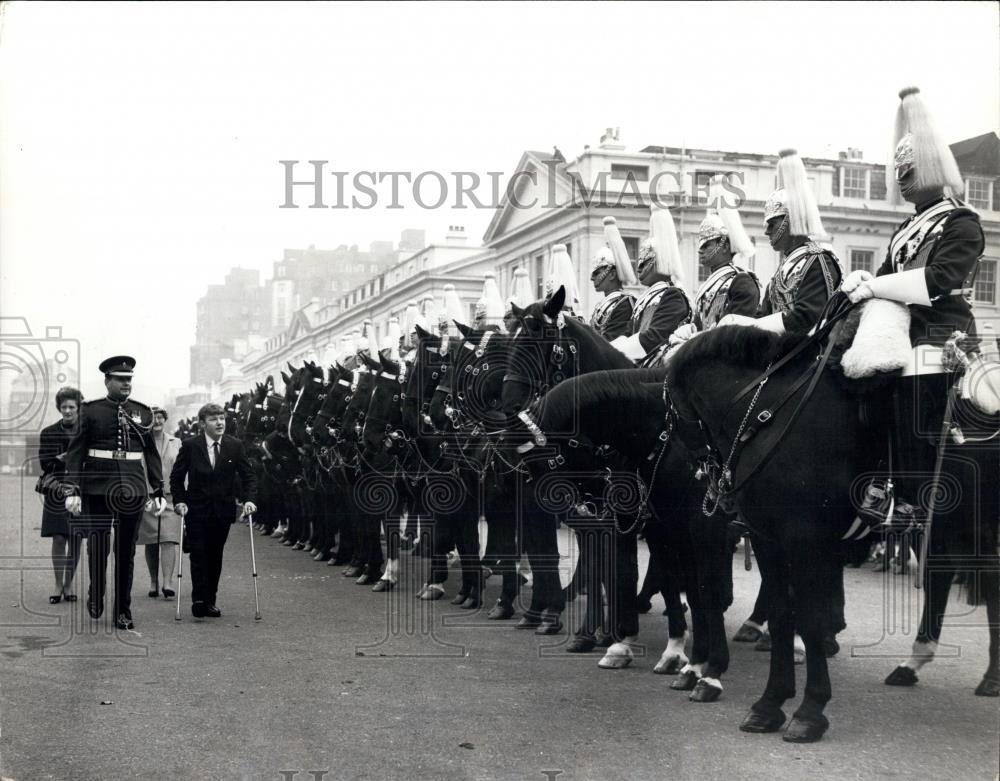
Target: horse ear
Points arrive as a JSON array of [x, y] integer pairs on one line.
[[285, 378], [554, 305], [465, 329], [421, 333], [516, 311]]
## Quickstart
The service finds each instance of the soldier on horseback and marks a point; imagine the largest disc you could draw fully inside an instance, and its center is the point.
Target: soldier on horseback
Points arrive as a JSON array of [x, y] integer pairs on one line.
[[611, 270], [809, 273], [664, 306]]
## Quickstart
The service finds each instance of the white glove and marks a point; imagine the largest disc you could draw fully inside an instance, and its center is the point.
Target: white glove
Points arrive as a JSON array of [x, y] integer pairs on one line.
[[160, 504], [855, 278], [860, 293], [74, 505], [181, 509], [682, 333], [249, 508], [737, 320]]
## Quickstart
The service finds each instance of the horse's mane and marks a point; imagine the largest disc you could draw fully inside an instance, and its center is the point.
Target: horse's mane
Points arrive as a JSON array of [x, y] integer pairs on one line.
[[746, 347], [559, 404]]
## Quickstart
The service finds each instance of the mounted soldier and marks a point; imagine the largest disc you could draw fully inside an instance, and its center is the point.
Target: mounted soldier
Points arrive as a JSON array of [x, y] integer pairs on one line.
[[663, 306], [809, 273], [611, 270]]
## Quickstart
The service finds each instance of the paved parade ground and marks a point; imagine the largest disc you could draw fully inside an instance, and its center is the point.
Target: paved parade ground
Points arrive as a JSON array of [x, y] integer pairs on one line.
[[332, 680]]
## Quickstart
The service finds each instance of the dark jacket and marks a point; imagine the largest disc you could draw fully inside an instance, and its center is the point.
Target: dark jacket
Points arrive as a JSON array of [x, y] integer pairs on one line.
[[211, 494], [949, 257], [102, 428]]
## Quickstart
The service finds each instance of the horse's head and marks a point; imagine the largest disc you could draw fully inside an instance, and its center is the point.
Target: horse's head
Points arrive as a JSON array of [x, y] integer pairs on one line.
[[311, 395], [327, 419], [441, 410], [479, 373], [357, 407], [383, 418], [424, 375]]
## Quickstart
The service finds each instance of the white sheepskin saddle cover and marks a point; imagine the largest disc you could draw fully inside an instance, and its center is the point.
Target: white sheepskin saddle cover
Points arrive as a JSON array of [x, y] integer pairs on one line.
[[882, 343]]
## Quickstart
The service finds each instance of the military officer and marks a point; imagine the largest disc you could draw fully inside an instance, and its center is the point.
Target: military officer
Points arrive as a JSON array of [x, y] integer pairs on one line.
[[728, 289], [611, 270], [106, 482], [663, 306], [809, 273]]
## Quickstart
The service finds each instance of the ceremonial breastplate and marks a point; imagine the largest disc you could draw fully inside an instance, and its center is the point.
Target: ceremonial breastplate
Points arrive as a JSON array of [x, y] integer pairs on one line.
[[711, 302], [911, 245], [603, 311], [792, 271], [647, 301]]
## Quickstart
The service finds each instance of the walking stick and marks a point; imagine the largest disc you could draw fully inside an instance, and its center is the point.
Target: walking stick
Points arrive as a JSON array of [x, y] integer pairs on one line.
[[180, 573], [253, 564]]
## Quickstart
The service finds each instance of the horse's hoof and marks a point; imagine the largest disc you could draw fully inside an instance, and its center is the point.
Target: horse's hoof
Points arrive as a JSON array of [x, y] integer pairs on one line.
[[433, 591], [549, 627], [528, 622], [618, 657], [764, 643], [901, 676], [830, 646], [352, 572], [799, 655], [644, 605], [685, 682], [582, 644], [384, 585], [605, 641], [705, 692], [806, 731], [670, 665], [299, 546], [747, 633], [459, 598], [763, 722], [471, 602], [988, 688], [501, 612]]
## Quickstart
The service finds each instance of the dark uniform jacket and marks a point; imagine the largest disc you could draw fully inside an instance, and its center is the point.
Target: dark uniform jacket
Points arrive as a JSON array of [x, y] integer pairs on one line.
[[657, 313], [945, 239], [801, 286], [729, 290], [119, 427], [611, 316], [211, 494]]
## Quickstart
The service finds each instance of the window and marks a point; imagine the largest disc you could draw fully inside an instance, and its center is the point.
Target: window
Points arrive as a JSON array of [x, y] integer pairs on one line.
[[632, 247], [863, 260], [855, 181], [702, 182], [638, 173], [978, 193], [986, 282]]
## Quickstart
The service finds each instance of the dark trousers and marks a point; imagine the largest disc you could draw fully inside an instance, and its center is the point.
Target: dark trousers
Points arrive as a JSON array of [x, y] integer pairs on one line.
[[95, 524], [206, 539]]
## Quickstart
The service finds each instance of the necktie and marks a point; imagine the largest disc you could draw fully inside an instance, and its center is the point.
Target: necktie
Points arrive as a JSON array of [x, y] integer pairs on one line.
[[215, 454]]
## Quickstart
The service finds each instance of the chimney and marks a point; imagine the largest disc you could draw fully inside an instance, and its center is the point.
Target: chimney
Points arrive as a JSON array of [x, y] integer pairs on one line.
[[842, 155], [456, 236], [610, 139], [854, 154]]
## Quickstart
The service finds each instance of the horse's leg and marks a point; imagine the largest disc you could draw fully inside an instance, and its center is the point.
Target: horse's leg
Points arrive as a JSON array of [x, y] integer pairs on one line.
[[472, 565], [503, 539], [937, 586], [765, 714], [713, 565], [588, 567], [989, 582], [621, 582], [814, 585]]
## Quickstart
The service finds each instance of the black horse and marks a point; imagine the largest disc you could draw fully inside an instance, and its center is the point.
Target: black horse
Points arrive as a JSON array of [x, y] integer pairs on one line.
[[793, 486]]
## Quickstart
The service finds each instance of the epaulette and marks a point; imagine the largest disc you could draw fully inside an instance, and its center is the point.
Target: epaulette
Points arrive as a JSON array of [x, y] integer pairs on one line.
[[140, 404]]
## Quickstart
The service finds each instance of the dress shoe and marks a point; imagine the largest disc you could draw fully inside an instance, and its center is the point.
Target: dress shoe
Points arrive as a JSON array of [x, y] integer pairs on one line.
[[212, 611], [124, 621], [198, 610]]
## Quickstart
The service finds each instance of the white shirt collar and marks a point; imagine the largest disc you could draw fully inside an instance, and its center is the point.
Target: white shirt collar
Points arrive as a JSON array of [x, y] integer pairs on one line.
[[209, 441]]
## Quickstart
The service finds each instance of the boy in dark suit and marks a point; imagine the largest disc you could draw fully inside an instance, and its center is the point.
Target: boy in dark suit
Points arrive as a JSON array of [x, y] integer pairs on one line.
[[210, 463]]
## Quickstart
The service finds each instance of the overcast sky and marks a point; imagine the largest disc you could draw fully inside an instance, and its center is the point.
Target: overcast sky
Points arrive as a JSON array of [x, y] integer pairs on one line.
[[139, 143]]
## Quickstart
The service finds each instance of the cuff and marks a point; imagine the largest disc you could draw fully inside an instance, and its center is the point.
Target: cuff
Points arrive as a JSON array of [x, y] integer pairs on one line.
[[906, 287], [630, 347], [774, 323]]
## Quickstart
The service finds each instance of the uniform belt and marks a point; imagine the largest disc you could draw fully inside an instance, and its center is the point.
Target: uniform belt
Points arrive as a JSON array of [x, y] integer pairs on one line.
[[114, 455]]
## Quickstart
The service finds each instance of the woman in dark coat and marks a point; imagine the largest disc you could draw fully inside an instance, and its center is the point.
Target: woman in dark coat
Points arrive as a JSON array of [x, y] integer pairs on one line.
[[52, 444]]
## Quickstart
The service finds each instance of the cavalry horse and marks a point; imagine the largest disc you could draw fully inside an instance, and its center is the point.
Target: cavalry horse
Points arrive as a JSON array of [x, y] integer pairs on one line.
[[762, 408], [548, 347]]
